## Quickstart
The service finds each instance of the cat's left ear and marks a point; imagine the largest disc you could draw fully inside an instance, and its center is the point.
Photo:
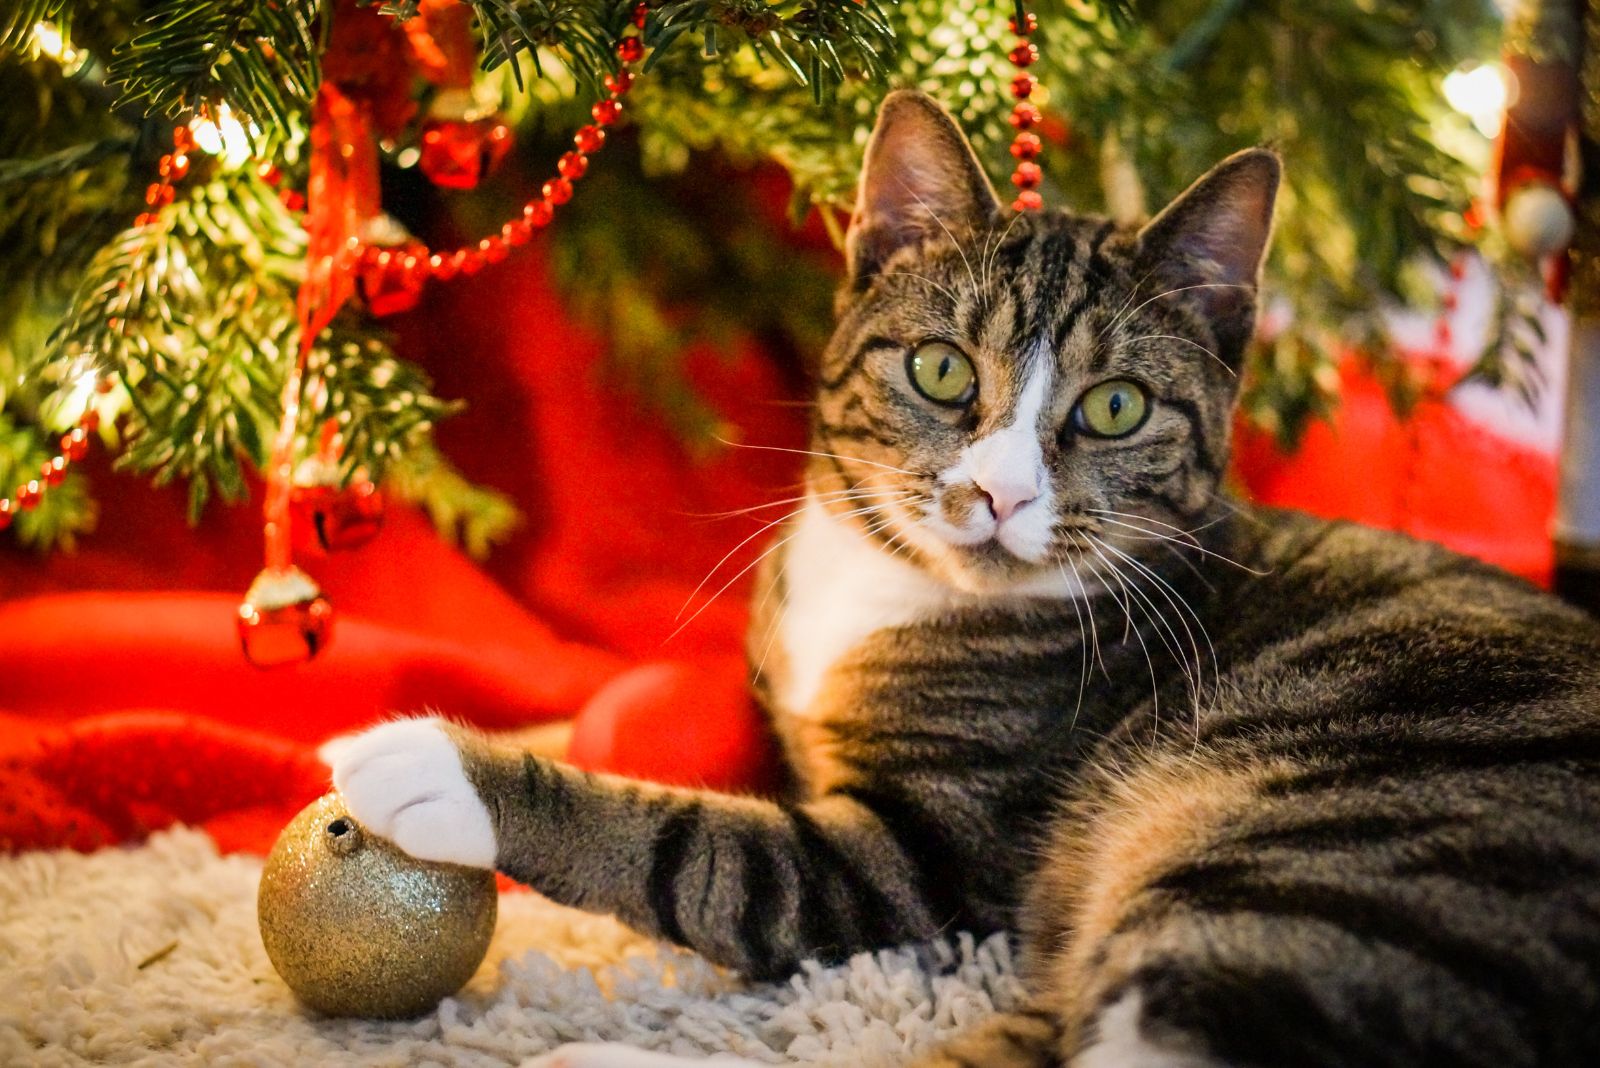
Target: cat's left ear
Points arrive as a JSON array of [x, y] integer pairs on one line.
[[1214, 235]]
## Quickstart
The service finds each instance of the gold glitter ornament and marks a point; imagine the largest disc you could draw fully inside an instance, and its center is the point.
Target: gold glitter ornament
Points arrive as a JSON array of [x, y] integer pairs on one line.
[[357, 927]]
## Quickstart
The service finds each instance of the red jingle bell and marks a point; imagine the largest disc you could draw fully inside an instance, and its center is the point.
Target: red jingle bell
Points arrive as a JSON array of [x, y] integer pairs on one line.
[[326, 517], [393, 267], [391, 280], [284, 619], [458, 152]]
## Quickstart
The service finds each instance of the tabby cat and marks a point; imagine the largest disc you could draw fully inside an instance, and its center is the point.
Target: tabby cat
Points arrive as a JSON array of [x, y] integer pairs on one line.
[[1254, 788]]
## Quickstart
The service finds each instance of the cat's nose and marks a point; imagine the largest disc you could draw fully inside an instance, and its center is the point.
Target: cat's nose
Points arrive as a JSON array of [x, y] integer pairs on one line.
[[1006, 501]]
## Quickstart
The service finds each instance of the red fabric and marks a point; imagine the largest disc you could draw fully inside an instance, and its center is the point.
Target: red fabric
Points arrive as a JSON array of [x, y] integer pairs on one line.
[[140, 620], [125, 704], [1436, 475]]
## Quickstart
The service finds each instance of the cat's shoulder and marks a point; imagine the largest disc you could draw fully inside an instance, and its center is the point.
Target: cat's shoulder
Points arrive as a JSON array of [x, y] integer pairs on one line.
[[1343, 561]]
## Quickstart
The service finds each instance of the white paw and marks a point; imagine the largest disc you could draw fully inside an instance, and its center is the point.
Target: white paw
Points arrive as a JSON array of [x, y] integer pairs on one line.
[[404, 781], [614, 1055]]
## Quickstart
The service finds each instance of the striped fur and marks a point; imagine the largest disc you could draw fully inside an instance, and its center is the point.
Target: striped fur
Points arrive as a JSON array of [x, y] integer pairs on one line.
[[1255, 789]]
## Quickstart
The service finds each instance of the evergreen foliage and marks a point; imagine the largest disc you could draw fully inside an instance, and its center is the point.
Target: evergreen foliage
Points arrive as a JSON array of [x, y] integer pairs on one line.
[[194, 313]]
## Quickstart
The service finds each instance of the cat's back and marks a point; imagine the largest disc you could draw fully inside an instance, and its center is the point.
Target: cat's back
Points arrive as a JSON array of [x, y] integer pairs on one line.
[[1375, 616]]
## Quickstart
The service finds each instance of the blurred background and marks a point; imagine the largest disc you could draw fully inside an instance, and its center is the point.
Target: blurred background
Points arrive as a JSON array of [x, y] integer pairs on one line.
[[546, 302]]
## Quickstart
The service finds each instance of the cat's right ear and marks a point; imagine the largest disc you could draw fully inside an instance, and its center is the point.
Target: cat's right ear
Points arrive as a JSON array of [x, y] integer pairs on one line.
[[921, 179]]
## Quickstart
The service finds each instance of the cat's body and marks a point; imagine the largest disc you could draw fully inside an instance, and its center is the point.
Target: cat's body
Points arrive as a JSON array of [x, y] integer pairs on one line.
[[1256, 789], [1400, 757]]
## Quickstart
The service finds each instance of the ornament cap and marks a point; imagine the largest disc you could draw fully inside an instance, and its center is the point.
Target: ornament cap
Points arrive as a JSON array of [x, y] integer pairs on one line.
[[280, 588]]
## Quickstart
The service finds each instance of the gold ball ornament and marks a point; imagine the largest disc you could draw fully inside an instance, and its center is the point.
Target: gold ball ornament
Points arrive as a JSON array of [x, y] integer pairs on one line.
[[357, 927]]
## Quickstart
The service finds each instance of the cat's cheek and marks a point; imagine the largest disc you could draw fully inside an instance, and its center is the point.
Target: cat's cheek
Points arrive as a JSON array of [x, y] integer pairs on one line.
[[405, 781]]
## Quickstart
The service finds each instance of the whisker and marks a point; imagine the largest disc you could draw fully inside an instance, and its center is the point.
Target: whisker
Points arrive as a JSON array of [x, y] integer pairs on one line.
[[1171, 292], [1152, 613], [1083, 649], [746, 541], [772, 628], [1094, 631], [828, 495], [1190, 533], [1165, 587], [1116, 317], [774, 547], [959, 250], [1182, 606], [940, 286], [824, 455], [1155, 688], [1174, 337], [1186, 541], [993, 249]]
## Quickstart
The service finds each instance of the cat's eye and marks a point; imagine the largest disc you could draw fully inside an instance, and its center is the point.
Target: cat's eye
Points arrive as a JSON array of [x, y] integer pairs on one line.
[[942, 373], [1112, 409]]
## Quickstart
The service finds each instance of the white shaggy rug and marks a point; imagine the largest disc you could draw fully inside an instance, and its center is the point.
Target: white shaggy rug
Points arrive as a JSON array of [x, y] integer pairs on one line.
[[151, 956]]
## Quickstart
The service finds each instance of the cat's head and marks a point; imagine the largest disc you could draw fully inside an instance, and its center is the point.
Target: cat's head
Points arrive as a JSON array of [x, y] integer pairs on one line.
[[1002, 384]]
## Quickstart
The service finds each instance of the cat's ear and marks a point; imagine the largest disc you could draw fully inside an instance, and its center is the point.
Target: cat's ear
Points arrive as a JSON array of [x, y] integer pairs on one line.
[[921, 179], [1215, 234]]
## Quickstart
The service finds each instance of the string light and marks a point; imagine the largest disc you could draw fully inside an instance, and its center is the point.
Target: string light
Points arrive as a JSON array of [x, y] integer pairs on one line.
[[1481, 93], [48, 40], [225, 136]]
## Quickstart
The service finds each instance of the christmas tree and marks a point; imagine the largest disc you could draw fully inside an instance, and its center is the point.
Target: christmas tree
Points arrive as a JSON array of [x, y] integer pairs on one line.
[[155, 158]]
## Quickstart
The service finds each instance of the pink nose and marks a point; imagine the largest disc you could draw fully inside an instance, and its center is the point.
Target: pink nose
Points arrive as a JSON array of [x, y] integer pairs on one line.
[[1006, 501]]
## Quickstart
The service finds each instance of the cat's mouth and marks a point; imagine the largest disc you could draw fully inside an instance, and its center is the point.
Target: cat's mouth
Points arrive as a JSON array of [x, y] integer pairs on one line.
[[988, 567]]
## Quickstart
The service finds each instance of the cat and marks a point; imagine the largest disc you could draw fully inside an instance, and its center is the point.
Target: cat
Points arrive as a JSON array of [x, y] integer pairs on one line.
[[1253, 788]]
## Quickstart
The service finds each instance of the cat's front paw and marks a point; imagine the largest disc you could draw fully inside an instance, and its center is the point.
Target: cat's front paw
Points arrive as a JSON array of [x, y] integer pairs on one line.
[[404, 781]]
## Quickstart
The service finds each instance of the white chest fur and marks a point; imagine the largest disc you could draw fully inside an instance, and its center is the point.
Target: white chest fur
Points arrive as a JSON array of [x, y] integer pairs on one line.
[[842, 588]]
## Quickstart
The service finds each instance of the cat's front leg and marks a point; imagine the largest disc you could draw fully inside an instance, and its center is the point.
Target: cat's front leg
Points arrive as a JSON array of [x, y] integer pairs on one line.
[[745, 882]]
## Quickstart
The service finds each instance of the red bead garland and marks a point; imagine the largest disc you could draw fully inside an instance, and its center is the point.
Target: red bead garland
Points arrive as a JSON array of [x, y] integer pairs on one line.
[[400, 274], [74, 446], [1025, 147]]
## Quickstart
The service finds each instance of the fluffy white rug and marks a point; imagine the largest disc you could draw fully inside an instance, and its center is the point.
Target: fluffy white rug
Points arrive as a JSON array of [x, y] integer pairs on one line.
[[151, 956]]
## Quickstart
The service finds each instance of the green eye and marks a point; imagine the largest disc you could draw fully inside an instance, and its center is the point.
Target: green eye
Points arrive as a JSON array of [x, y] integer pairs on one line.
[[942, 373], [1112, 409]]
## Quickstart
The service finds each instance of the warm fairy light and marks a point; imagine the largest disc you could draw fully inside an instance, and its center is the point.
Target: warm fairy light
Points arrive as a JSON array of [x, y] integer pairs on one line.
[[83, 381], [408, 156], [48, 40], [225, 136], [1480, 93]]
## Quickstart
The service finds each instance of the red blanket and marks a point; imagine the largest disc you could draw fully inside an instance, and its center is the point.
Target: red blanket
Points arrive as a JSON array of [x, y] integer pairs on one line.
[[125, 704]]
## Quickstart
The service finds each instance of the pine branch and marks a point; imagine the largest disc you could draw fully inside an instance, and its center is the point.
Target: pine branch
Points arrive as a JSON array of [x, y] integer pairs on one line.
[[259, 57], [194, 315], [17, 23], [471, 516], [64, 163], [821, 43]]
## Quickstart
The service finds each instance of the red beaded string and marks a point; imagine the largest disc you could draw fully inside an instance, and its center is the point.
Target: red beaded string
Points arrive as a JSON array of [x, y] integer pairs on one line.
[[415, 262], [1025, 115], [74, 446], [172, 169]]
